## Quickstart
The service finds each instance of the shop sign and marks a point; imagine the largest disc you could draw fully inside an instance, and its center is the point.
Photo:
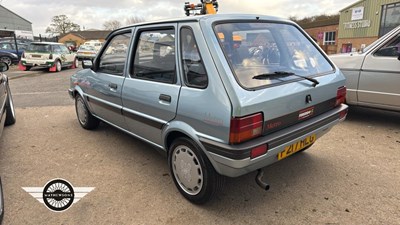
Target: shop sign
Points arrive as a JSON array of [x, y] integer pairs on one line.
[[357, 13], [357, 24]]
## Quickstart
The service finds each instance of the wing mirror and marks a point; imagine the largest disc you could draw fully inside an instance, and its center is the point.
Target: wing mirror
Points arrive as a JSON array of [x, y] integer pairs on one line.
[[3, 67], [87, 64]]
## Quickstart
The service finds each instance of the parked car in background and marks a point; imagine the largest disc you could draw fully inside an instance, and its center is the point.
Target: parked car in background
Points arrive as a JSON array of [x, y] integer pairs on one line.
[[51, 55], [95, 43], [10, 47], [215, 110], [373, 74], [8, 57], [86, 52], [120, 48], [7, 115]]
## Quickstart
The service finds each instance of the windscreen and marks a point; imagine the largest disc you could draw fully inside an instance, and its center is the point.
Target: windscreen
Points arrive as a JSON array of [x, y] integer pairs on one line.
[[263, 54]]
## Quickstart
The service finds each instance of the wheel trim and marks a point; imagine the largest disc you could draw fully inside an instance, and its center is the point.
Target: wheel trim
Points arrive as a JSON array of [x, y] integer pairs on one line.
[[81, 111], [187, 170], [58, 65], [6, 60], [76, 63]]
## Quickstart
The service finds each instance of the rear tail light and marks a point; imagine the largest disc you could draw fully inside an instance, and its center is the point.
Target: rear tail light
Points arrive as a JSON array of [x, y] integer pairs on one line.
[[343, 114], [245, 128], [23, 55], [340, 95], [51, 56]]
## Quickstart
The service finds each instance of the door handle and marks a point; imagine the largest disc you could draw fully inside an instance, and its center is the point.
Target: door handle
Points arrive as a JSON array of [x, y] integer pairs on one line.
[[165, 98], [113, 86]]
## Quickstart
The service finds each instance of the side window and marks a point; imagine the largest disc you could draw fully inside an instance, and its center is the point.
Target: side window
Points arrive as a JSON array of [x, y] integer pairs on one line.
[[113, 59], [390, 49], [155, 56], [193, 68], [57, 49], [64, 49]]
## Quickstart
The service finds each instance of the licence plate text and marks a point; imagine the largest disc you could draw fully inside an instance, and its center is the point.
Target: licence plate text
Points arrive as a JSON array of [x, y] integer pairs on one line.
[[293, 148]]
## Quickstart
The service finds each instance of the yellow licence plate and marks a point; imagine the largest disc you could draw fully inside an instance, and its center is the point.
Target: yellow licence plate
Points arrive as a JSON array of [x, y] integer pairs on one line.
[[293, 148]]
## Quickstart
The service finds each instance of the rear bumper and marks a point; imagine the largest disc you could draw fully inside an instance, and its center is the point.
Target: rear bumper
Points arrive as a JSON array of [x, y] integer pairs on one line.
[[234, 160], [41, 63]]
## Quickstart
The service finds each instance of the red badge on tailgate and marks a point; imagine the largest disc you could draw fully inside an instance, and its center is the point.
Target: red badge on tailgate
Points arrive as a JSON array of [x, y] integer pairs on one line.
[[305, 113]]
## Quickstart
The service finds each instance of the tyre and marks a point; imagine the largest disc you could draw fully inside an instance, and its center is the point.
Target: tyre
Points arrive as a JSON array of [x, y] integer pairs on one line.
[[75, 63], [10, 117], [85, 118], [6, 59], [58, 66], [192, 172], [28, 68]]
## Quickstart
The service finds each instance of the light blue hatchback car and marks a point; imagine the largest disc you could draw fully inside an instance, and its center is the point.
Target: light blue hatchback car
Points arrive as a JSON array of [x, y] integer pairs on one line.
[[221, 95]]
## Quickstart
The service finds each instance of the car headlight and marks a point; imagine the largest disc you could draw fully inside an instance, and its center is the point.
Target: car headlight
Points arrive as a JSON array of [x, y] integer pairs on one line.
[[14, 55]]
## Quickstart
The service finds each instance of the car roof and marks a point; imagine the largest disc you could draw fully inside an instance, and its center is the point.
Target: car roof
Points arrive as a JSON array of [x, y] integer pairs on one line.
[[208, 18], [47, 43]]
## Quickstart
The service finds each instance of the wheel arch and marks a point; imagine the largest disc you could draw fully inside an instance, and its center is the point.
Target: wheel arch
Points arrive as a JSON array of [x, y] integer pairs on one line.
[[179, 129]]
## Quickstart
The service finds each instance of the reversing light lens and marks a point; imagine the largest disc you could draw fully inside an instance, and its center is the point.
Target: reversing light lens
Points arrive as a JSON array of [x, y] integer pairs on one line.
[[245, 128]]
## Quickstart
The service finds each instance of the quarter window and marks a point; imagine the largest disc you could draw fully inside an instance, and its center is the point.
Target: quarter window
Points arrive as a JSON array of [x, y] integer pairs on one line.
[[155, 56], [193, 68], [113, 59]]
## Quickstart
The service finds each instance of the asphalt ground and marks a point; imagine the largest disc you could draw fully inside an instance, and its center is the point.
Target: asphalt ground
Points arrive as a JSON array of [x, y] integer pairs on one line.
[[349, 176]]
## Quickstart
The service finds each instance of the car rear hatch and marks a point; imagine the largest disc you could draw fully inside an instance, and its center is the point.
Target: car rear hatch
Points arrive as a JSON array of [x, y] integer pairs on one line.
[[38, 51], [279, 78]]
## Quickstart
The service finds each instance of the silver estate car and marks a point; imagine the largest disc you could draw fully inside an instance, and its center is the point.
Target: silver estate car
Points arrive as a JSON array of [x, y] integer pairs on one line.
[[7, 116], [221, 95], [373, 74]]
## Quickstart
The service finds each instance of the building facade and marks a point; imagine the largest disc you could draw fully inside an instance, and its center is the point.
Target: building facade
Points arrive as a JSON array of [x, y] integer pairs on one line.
[[324, 32], [365, 21], [11, 23], [76, 38]]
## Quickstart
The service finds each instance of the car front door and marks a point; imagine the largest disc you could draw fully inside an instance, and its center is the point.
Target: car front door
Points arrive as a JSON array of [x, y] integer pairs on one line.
[[151, 89], [104, 94], [380, 76], [67, 55]]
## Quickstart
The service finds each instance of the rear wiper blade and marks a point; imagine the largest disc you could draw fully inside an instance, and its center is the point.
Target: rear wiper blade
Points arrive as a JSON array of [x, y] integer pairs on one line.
[[284, 73]]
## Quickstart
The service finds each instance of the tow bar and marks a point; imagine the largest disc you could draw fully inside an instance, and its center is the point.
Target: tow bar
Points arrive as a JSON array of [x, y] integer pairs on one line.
[[259, 181]]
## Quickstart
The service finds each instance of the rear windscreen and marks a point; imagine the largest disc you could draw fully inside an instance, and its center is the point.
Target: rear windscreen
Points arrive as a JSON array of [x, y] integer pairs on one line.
[[39, 48], [263, 54]]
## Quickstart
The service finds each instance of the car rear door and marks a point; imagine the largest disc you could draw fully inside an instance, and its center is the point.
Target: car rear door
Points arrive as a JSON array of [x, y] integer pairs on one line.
[[380, 76], [150, 93], [104, 94]]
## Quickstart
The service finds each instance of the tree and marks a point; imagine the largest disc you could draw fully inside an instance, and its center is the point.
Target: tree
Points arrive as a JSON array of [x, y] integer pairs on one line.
[[134, 19], [112, 25], [317, 18], [62, 25]]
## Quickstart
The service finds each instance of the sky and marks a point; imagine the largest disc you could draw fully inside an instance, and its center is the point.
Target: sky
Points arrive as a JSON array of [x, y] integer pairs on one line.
[[91, 14]]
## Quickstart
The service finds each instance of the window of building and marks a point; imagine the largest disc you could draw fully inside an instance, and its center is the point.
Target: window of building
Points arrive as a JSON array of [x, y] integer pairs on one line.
[[390, 18], [329, 38]]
